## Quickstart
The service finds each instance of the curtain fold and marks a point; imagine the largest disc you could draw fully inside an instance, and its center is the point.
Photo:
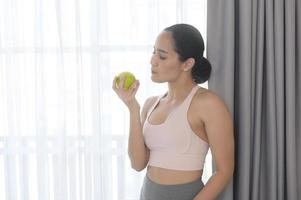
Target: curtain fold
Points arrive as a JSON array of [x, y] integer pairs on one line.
[[254, 47]]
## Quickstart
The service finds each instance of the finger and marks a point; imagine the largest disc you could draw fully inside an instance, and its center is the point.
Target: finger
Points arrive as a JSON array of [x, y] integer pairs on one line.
[[134, 87], [121, 82], [114, 84]]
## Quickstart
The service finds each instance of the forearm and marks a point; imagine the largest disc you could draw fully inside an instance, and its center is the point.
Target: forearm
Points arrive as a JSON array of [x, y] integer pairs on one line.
[[136, 147], [215, 185]]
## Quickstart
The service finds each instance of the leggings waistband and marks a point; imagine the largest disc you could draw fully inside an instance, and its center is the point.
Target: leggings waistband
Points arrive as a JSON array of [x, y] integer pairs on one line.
[[155, 191]]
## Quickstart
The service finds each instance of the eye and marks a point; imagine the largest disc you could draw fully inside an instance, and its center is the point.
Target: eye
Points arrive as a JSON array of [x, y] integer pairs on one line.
[[162, 57]]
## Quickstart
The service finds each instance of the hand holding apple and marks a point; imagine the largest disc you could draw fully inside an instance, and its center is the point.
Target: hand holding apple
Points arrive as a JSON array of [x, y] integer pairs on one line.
[[128, 78], [126, 85]]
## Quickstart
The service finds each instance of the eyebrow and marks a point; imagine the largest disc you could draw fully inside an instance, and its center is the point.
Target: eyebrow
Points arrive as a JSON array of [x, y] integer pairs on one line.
[[161, 50]]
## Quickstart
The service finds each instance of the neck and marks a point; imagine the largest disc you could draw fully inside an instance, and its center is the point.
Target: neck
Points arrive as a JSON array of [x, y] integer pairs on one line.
[[179, 92]]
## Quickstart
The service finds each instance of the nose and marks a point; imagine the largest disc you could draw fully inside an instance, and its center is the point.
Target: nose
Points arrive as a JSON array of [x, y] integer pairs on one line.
[[153, 60]]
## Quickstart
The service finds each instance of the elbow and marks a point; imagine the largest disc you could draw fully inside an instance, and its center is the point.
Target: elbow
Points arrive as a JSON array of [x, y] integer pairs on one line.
[[227, 174], [229, 170], [137, 167], [230, 176]]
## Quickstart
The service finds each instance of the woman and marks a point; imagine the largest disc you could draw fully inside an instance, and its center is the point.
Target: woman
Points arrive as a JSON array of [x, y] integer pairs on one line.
[[172, 134]]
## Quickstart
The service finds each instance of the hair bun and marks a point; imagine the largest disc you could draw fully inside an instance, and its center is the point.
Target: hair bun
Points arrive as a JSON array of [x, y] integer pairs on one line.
[[201, 70]]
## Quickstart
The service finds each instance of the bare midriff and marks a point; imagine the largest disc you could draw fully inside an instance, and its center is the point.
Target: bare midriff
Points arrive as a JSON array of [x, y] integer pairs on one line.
[[172, 177]]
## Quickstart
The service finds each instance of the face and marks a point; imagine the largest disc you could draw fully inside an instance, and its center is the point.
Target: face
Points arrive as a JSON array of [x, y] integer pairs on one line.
[[166, 66]]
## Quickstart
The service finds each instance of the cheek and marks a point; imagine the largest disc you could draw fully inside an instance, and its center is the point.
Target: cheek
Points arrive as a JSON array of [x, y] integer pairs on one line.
[[172, 69], [170, 72]]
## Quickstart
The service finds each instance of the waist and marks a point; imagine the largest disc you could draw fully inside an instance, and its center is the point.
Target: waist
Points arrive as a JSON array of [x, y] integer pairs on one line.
[[172, 177], [176, 161]]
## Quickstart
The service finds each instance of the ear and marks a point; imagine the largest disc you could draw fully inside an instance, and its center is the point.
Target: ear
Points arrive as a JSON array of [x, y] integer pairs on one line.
[[188, 64]]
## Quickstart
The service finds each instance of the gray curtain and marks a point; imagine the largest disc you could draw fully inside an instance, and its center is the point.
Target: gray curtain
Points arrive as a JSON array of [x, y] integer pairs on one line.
[[255, 49]]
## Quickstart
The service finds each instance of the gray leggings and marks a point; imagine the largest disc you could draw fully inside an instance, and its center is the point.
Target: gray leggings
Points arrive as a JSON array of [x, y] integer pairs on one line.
[[154, 191]]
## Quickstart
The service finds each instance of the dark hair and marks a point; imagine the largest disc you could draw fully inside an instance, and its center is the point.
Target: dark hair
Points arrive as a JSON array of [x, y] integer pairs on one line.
[[189, 43]]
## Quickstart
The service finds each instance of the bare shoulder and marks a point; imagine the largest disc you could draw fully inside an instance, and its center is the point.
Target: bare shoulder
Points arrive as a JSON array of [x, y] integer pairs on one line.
[[209, 98], [207, 103], [147, 105], [149, 102]]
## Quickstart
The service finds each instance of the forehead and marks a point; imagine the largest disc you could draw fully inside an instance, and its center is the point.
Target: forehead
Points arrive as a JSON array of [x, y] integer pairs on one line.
[[164, 41]]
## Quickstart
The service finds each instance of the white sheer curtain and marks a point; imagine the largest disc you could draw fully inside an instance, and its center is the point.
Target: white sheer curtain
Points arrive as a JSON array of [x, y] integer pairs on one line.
[[63, 132]]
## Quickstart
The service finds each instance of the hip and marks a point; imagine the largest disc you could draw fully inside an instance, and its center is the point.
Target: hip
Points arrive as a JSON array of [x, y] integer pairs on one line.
[[154, 191]]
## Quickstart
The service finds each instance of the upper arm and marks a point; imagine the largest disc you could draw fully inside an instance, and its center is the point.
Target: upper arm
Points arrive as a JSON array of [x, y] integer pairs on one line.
[[147, 105], [219, 129]]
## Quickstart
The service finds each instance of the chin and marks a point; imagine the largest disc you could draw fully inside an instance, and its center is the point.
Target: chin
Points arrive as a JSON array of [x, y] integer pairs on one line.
[[156, 80]]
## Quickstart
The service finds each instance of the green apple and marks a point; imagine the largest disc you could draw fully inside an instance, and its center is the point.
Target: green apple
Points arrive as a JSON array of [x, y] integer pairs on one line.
[[129, 79]]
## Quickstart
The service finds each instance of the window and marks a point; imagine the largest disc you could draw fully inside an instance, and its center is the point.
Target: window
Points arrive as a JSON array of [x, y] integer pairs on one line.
[[63, 132]]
